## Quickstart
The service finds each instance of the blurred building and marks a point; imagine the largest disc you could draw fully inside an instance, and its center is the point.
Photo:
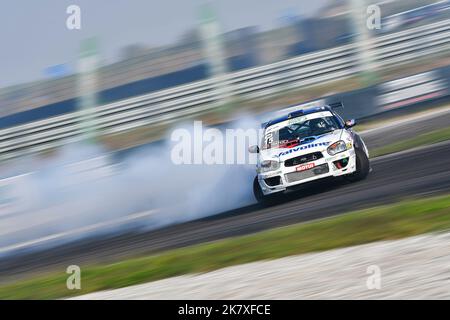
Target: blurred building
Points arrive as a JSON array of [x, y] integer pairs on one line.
[[142, 70]]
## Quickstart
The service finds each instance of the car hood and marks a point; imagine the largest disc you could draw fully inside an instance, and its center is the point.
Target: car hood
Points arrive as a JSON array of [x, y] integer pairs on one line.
[[320, 143]]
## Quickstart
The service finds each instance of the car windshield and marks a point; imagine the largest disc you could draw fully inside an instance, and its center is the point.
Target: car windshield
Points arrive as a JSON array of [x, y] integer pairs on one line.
[[297, 131]]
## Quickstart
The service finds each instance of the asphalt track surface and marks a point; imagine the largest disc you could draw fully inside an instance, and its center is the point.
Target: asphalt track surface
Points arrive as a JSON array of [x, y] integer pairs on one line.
[[415, 173]]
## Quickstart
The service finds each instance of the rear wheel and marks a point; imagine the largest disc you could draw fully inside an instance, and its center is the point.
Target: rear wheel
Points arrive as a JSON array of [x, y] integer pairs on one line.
[[362, 167], [266, 201]]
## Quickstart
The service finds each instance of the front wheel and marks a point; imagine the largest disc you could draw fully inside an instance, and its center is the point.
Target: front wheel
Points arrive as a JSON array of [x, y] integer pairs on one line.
[[362, 167], [266, 201]]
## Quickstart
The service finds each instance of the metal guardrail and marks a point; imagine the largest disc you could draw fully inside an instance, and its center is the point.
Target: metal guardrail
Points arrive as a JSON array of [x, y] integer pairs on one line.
[[306, 70], [415, 43]]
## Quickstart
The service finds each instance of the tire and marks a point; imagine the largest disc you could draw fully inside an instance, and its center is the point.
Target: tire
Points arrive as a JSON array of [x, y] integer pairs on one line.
[[265, 201], [362, 167]]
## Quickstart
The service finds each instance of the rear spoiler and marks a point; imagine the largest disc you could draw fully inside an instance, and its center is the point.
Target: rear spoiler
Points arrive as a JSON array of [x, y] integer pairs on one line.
[[336, 105]]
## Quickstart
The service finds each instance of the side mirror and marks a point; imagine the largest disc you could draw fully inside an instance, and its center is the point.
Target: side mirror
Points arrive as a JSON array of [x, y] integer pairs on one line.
[[350, 123], [253, 149]]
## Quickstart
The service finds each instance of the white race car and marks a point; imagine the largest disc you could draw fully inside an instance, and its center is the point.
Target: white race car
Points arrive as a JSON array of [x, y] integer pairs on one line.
[[307, 145]]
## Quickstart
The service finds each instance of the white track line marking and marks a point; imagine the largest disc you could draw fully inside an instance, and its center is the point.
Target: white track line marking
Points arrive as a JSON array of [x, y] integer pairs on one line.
[[412, 119]]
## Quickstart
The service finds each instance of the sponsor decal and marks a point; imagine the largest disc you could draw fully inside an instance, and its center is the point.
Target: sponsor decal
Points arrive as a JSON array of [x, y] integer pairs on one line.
[[304, 167], [296, 120], [304, 147]]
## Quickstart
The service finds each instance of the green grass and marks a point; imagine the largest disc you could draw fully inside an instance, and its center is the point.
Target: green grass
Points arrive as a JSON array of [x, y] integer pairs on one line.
[[400, 220], [421, 140]]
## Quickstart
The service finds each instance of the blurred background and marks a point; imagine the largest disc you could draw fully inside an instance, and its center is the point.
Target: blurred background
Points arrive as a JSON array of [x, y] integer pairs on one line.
[[85, 113]]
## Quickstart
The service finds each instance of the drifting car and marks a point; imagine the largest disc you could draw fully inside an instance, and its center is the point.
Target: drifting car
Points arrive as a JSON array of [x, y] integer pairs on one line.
[[307, 145]]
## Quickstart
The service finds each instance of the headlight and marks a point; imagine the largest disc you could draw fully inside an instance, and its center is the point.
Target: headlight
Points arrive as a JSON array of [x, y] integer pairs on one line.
[[336, 148], [269, 165]]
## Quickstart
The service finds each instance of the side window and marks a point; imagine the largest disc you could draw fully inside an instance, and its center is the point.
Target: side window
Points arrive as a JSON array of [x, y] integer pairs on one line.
[[339, 120]]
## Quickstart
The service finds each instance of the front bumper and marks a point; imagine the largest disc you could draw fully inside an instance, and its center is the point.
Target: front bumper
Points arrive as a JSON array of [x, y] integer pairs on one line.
[[329, 166]]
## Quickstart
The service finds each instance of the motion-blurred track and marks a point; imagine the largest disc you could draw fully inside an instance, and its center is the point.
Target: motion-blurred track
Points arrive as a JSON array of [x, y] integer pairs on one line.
[[416, 173], [419, 172]]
